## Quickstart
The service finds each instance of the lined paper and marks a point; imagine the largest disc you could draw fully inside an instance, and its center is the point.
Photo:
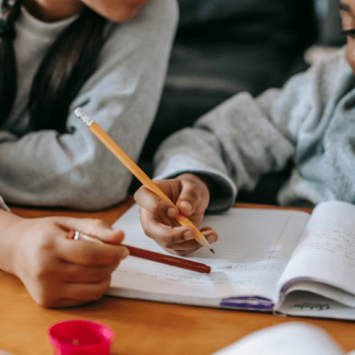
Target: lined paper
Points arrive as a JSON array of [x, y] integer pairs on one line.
[[253, 249], [327, 251]]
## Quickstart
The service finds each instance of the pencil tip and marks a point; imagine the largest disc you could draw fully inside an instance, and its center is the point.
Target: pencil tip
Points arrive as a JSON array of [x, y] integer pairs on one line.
[[212, 251]]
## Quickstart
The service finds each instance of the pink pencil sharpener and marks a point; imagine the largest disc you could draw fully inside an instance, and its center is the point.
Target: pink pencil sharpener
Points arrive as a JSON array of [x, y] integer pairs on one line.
[[78, 337]]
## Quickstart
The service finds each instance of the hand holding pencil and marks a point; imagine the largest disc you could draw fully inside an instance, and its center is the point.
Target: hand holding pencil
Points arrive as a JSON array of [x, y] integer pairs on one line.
[[146, 254], [191, 196], [180, 240]]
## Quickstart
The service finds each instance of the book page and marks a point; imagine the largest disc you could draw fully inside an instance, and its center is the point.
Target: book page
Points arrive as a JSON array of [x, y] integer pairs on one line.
[[306, 304], [253, 249], [326, 252], [291, 338]]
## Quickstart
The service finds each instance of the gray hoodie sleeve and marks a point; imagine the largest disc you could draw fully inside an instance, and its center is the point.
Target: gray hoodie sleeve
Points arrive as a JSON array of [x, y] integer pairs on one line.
[[76, 170], [246, 137]]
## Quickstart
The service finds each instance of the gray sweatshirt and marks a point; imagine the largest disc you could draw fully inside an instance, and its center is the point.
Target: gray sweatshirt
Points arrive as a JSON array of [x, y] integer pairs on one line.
[[310, 121], [76, 170]]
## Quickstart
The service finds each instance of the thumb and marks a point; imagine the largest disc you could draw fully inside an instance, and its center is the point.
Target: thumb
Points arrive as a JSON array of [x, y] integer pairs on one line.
[[95, 227]]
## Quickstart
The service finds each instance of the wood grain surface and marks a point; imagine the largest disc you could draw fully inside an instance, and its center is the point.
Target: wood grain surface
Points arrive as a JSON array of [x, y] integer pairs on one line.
[[140, 327]]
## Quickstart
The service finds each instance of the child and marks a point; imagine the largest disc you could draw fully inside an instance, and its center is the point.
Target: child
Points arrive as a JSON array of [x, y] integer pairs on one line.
[[58, 271], [65, 54], [311, 121], [54, 57]]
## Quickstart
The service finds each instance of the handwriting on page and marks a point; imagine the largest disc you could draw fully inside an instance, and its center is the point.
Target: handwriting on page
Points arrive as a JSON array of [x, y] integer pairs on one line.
[[313, 306], [326, 252], [253, 248], [326, 255], [333, 241], [152, 277]]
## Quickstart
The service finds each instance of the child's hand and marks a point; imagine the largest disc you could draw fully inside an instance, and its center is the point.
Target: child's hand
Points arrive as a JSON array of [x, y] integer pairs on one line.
[[191, 196], [60, 272]]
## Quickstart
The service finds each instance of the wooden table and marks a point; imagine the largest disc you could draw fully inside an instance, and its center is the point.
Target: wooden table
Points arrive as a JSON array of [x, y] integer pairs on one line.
[[140, 327]]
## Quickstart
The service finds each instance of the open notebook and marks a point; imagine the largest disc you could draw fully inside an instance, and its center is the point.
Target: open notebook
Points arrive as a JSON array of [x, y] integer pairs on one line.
[[291, 338], [269, 260]]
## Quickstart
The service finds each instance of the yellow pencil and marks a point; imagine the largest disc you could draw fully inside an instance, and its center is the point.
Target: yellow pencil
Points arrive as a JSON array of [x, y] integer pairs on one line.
[[136, 170]]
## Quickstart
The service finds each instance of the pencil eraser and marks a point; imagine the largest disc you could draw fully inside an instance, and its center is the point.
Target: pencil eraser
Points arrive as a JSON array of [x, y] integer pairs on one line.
[[78, 337], [79, 111], [83, 116]]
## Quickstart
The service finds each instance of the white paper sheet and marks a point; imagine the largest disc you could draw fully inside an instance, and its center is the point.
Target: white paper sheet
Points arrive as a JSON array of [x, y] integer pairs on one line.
[[253, 249]]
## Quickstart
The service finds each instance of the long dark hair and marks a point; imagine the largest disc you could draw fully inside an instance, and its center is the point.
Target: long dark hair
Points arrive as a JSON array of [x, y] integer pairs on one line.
[[69, 62]]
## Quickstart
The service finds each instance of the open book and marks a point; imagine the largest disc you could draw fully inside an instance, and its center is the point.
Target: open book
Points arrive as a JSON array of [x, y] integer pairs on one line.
[[270, 260], [291, 338]]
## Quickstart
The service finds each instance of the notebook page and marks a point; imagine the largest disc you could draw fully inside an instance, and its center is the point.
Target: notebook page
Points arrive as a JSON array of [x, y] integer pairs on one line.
[[251, 253], [306, 304], [292, 338], [326, 252]]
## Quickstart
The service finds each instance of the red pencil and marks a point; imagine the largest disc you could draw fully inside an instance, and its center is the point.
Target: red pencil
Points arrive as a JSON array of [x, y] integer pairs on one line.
[[149, 255]]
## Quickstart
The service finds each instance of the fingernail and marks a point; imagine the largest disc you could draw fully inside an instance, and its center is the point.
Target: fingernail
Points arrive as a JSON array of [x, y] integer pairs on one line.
[[212, 238], [185, 206], [119, 236], [172, 212], [206, 229], [189, 235]]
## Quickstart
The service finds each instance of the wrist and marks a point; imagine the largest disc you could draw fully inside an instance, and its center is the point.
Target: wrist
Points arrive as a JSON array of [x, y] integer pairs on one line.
[[8, 240]]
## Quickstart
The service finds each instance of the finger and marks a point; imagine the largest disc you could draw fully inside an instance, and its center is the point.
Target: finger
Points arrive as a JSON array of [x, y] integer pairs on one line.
[[184, 246], [94, 227], [183, 252], [210, 235], [164, 234], [152, 203], [189, 247], [86, 291], [147, 217], [74, 273], [190, 199], [85, 252]]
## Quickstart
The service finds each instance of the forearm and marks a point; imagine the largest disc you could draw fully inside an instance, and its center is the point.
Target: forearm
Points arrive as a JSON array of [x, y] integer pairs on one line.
[[75, 169], [234, 145], [41, 169], [197, 152]]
